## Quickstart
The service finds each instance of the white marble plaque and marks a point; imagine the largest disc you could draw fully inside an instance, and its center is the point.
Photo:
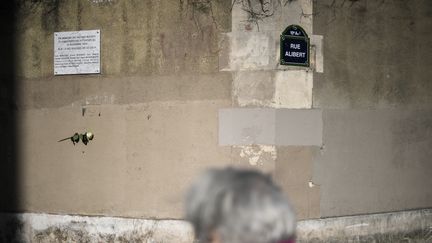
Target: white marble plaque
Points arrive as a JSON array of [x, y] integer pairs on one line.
[[77, 52]]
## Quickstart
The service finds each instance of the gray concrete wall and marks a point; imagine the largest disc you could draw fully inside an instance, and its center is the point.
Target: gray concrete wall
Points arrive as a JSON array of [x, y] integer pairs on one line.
[[169, 68], [375, 161], [153, 109], [376, 54], [407, 226], [266, 128], [376, 94]]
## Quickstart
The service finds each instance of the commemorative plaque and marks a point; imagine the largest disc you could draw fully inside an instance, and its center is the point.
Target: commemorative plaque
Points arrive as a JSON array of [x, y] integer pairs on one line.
[[294, 47], [77, 52]]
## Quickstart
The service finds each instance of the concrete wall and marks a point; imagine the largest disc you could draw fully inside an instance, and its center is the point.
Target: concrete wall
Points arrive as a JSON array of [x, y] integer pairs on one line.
[[411, 226], [266, 127], [376, 93], [153, 109], [168, 69], [186, 85]]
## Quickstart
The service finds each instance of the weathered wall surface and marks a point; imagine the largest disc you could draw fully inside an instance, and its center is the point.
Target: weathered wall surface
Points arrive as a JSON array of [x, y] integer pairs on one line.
[[376, 94], [375, 161], [411, 226], [153, 109], [266, 127], [138, 37], [376, 54], [170, 70]]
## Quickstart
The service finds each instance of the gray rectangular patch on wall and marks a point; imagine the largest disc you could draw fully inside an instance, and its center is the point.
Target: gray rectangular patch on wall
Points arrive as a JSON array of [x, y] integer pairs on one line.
[[244, 126], [299, 127], [268, 126]]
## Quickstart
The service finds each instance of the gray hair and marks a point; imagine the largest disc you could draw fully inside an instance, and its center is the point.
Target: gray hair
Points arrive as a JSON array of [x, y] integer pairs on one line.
[[240, 205]]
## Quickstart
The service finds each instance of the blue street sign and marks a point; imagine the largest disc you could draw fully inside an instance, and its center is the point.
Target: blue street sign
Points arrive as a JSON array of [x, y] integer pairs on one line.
[[294, 47]]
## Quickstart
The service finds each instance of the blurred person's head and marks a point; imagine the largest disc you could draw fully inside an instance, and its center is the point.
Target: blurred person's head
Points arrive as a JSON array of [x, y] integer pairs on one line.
[[238, 206]]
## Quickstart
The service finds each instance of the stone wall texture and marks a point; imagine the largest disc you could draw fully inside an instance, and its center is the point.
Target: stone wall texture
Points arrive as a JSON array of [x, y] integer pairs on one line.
[[170, 72]]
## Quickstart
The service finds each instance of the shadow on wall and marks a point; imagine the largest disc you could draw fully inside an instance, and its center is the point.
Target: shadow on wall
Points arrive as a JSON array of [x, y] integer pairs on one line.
[[9, 176]]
